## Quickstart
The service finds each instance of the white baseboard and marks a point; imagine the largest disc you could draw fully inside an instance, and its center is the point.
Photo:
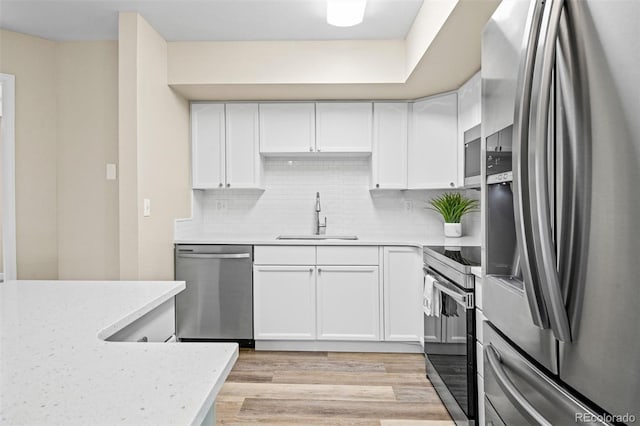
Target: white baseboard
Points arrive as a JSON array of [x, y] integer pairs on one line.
[[337, 346]]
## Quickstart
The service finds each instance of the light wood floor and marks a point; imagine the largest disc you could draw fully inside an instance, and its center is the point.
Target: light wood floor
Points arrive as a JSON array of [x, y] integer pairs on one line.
[[312, 388]]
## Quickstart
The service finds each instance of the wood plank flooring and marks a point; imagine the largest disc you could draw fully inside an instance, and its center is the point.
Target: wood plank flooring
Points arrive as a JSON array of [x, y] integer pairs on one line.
[[329, 388]]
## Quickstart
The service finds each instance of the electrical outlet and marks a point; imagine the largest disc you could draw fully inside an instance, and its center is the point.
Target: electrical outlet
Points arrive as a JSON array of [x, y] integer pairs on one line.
[[221, 205], [408, 205]]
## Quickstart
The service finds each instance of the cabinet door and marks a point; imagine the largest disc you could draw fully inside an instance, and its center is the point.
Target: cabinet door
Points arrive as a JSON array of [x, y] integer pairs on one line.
[[287, 128], [343, 127], [456, 328], [468, 115], [432, 329], [155, 326], [469, 103], [207, 145], [433, 143], [243, 167], [348, 303], [389, 158], [402, 275], [284, 302]]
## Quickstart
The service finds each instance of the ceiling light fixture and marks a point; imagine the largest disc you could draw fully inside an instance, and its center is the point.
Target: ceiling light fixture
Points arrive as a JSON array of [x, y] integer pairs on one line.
[[345, 13]]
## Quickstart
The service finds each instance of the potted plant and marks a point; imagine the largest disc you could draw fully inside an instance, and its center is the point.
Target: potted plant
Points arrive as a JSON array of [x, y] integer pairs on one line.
[[452, 206]]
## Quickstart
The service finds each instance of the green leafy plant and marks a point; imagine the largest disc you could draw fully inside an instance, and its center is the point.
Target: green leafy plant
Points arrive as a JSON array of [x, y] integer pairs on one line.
[[452, 206]]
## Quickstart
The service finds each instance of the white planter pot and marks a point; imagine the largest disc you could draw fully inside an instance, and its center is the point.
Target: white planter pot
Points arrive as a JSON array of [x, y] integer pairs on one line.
[[453, 230]]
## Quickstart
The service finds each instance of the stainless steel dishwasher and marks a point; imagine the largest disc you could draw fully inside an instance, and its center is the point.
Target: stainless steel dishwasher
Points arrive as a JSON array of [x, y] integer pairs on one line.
[[218, 301]]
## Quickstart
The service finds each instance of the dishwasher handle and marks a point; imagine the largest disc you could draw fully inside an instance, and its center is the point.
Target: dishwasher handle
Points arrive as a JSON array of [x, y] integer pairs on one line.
[[215, 256]]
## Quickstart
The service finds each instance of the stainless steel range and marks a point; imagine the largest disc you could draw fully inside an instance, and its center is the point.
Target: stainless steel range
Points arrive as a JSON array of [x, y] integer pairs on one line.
[[450, 330]]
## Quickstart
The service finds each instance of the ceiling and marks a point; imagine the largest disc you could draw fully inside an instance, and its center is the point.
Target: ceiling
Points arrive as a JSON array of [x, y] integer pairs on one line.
[[200, 20]]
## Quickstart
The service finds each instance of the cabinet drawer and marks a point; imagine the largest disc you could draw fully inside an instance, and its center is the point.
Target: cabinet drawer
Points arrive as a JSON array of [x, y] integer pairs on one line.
[[155, 326], [284, 255], [347, 255]]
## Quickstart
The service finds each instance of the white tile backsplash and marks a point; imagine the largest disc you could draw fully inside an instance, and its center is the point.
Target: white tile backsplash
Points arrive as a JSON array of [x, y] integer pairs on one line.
[[286, 206]]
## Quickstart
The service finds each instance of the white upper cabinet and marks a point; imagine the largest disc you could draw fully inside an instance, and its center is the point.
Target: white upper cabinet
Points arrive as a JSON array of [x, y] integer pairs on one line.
[[389, 157], [224, 146], [207, 145], [243, 165], [433, 143], [469, 114], [344, 127], [287, 128]]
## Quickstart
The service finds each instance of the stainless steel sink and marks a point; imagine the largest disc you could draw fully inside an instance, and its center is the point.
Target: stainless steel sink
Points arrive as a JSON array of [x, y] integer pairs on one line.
[[317, 237]]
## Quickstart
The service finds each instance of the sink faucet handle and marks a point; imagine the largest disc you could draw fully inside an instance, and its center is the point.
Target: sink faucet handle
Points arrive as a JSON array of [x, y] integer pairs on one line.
[[323, 227]]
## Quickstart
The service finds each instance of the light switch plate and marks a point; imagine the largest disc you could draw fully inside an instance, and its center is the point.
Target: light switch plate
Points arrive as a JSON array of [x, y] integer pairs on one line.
[[111, 171], [146, 207]]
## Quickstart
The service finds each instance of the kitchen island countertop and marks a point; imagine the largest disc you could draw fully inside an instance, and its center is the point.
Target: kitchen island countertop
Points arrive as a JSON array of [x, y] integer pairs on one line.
[[55, 367]]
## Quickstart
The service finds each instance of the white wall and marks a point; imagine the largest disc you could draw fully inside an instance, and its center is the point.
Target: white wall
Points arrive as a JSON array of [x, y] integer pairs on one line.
[[287, 205]]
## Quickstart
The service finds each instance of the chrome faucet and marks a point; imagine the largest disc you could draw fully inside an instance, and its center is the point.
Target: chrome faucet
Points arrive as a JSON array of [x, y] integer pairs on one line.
[[319, 228]]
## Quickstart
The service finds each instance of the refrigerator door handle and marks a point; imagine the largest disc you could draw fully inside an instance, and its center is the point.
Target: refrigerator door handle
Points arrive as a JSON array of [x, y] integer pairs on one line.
[[510, 390], [545, 255], [521, 172]]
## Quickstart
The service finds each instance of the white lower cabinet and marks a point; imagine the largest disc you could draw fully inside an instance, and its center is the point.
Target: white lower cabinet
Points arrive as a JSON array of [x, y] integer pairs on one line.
[[402, 282], [348, 303], [155, 326], [284, 302], [338, 294]]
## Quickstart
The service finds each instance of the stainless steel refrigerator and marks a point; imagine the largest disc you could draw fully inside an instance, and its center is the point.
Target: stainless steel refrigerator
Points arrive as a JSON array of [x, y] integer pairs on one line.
[[561, 138]]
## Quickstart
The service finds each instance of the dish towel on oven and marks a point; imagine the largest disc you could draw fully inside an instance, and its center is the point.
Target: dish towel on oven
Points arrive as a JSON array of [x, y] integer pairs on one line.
[[431, 303]]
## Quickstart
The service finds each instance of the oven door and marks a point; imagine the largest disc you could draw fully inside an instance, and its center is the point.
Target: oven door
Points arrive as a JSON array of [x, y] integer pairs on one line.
[[450, 353]]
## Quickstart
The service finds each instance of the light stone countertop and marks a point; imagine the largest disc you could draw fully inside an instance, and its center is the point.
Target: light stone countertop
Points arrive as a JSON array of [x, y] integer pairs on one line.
[[55, 369], [361, 241]]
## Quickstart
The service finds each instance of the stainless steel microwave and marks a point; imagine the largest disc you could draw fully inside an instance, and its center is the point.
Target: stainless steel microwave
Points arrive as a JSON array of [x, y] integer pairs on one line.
[[472, 157]]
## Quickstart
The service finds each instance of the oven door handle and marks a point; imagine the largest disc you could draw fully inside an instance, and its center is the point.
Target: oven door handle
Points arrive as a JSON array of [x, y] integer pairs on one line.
[[462, 297]]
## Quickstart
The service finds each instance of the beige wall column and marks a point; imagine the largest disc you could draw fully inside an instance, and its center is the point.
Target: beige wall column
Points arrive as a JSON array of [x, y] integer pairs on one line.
[[153, 152], [128, 144]]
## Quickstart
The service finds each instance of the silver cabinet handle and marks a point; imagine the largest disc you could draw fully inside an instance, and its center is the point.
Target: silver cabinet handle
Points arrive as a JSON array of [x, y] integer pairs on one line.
[[220, 185], [228, 185], [215, 256], [521, 181], [310, 270], [545, 255], [319, 270], [510, 390]]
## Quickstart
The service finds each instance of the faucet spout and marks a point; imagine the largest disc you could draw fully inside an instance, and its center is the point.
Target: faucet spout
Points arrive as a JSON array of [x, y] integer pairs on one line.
[[317, 226]]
